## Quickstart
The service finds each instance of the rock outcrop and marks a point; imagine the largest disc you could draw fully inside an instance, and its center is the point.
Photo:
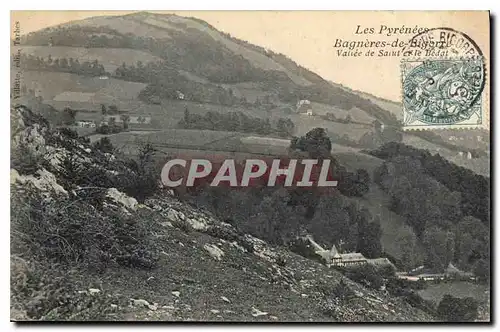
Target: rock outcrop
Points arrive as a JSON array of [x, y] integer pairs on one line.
[[208, 270]]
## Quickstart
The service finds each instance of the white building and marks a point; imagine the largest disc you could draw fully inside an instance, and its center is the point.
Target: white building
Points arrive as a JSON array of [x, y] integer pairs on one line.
[[85, 124], [180, 95], [333, 258]]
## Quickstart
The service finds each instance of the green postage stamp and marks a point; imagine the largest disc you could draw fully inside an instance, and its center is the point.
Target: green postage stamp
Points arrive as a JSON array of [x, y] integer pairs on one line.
[[446, 89]]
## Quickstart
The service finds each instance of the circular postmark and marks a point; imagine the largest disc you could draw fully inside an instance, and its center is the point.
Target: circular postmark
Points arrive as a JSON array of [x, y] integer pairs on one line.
[[445, 85], [442, 42]]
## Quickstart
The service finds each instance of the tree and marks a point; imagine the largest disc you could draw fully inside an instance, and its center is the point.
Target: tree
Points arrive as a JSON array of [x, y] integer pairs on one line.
[[145, 182], [126, 119], [439, 246], [455, 309], [331, 223], [472, 239], [111, 121], [146, 156], [316, 143], [113, 109], [103, 109], [103, 129], [69, 116], [366, 274], [407, 245], [482, 270], [278, 223], [63, 63], [369, 234]]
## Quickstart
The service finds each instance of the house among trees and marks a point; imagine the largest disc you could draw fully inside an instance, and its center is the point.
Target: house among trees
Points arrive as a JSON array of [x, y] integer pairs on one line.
[[349, 259], [333, 257], [179, 95]]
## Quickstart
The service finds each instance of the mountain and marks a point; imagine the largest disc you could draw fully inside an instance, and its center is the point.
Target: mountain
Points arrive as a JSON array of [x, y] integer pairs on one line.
[[161, 64], [140, 254], [171, 53]]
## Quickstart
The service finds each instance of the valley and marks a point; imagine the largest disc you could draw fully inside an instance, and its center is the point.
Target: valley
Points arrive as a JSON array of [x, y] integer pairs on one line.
[[176, 87]]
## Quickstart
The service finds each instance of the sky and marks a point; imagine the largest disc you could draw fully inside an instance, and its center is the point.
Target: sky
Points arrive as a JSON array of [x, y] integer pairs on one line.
[[309, 37]]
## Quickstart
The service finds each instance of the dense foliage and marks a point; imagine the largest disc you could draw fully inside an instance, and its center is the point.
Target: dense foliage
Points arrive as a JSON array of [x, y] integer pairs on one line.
[[446, 205], [237, 121], [455, 309]]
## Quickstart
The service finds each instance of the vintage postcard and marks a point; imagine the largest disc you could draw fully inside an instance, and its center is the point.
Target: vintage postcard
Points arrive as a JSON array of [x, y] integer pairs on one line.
[[244, 166]]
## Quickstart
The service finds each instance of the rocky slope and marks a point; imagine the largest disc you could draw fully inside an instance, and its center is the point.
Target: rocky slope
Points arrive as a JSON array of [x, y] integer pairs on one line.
[[196, 267]]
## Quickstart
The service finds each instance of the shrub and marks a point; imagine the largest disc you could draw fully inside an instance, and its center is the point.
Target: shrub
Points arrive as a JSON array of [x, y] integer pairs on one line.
[[455, 309], [24, 161], [400, 287], [68, 132], [415, 300], [104, 145], [75, 232], [339, 290], [387, 271], [302, 247], [142, 180], [281, 260], [41, 291], [366, 274]]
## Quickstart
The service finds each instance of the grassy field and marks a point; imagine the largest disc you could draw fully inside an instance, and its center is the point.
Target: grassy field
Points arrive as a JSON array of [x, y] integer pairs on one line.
[[352, 159], [355, 113], [377, 202], [174, 138], [435, 292], [304, 123], [232, 141]]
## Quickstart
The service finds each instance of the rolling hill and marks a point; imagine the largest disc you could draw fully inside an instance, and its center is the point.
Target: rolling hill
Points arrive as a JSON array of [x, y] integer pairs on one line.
[[191, 50], [149, 58], [170, 53]]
